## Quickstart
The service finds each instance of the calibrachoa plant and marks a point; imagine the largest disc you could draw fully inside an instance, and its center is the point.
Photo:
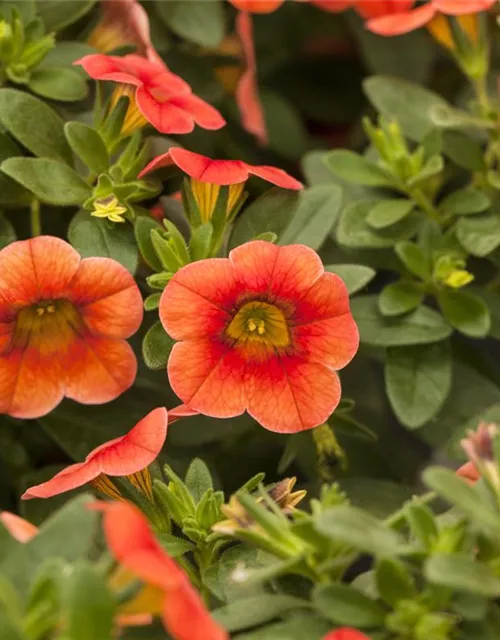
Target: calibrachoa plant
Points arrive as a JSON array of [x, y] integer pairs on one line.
[[249, 298]]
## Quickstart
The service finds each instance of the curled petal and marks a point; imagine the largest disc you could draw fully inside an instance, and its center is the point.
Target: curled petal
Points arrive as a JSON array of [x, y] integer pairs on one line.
[[399, 23], [18, 527], [462, 7], [122, 456], [247, 92], [200, 111]]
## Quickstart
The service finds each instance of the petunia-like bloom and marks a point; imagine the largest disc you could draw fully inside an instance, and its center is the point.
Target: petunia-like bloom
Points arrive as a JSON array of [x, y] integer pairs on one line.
[[156, 95], [19, 528], [127, 456], [479, 447], [395, 17], [264, 331], [207, 176], [346, 633], [132, 543], [123, 22], [63, 324]]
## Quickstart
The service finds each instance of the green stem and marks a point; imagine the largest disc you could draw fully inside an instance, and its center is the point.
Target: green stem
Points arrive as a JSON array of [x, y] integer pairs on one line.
[[425, 204], [35, 219], [398, 517]]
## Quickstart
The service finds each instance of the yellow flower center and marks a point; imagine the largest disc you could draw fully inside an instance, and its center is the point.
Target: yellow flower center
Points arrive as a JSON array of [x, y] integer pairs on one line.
[[206, 194], [259, 322], [48, 326]]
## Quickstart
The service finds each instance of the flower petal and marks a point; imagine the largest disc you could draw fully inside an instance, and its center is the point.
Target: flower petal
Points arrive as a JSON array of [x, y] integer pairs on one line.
[[398, 23], [283, 272], [288, 394], [98, 369], [257, 6], [166, 117], [208, 376], [186, 618], [18, 527], [275, 176], [208, 290], [247, 91], [200, 111], [223, 172], [112, 68], [327, 298], [462, 7], [31, 382], [332, 342], [108, 298], [136, 450], [334, 6], [74, 476], [38, 269]]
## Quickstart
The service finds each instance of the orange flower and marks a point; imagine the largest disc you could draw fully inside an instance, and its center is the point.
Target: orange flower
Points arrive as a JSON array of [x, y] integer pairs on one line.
[[19, 528], [63, 324], [127, 456], [123, 22], [346, 633], [468, 472], [262, 331], [395, 17], [131, 541]]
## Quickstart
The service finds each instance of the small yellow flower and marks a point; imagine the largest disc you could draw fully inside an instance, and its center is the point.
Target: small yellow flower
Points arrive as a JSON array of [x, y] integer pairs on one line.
[[109, 208], [458, 278]]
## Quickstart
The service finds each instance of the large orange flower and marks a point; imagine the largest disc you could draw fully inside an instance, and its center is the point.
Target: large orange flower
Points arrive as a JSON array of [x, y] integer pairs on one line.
[[262, 331], [63, 324], [134, 546]]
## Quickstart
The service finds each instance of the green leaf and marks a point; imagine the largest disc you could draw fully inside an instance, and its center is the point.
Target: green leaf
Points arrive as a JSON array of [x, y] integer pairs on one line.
[[58, 83], [352, 167], [199, 21], [198, 479], [273, 211], [353, 231], [286, 132], [400, 297], [317, 212], [50, 181], [422, 326], [433, 166], [156, 347], [34, 124], [394, 581], [355, 276], [142, 229], [152, 302], [9, 630], [359, 529], [256, 610], [7, 232], [12, 194], [88, 145], [56, 14], [88, 605], [465, 201], [465, 497], [64, 54], [345, 605], [174, 546], [465, 312], [479, 235], [464, 150], [418, 381], [409, 104], [414, 259], [462, 573], [422, 523], [200, 241], [388, 212], [93, 237]]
